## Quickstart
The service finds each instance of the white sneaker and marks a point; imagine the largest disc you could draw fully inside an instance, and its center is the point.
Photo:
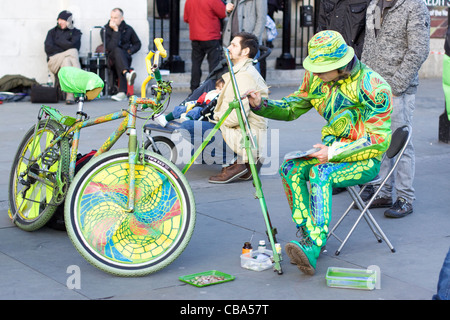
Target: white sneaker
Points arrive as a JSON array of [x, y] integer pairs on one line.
[[131, 76], [161, 119], [119, 97]]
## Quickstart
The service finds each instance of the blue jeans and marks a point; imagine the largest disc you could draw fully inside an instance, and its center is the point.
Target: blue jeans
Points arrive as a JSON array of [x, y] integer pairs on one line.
[[196, 131], [443, 290], [195, 113], [402, 179]]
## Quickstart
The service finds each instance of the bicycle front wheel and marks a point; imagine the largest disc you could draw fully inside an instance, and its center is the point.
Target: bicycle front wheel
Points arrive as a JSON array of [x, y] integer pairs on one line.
[[38, 182], [121, 242]]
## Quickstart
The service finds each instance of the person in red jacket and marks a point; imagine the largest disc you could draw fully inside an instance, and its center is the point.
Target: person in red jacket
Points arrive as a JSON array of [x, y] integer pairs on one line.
[[204, 19]]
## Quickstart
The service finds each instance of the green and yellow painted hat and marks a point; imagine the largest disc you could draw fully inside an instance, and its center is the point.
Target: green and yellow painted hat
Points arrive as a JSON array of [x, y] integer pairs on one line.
[[327, 51]]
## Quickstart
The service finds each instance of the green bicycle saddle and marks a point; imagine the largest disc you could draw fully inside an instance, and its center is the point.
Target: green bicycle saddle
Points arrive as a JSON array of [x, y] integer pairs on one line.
[[77, 81]]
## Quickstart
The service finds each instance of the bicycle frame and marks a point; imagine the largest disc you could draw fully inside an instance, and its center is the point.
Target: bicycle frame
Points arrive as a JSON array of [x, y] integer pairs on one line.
[[73, 132], [128, 124]]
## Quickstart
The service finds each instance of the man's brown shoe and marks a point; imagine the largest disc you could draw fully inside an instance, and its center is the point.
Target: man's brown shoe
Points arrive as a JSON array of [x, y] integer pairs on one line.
[[248, 175], [229, 174]]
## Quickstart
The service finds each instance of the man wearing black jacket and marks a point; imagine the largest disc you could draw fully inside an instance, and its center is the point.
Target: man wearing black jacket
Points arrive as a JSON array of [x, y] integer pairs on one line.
[[121, 41], [348, 17], [62, 45]]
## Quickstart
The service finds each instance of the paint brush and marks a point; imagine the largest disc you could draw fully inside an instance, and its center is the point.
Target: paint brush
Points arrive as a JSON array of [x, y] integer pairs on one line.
[[246, 95]]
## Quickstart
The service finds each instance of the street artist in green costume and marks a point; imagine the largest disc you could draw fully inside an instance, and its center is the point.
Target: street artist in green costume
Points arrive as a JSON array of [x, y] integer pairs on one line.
[[356, 103]]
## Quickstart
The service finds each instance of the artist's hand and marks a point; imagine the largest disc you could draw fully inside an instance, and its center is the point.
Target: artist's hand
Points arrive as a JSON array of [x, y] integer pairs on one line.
[[229, 7], [322, 154], [254, 98]]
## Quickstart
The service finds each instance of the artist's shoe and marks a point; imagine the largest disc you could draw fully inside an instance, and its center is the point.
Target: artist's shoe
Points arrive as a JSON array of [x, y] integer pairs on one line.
[[304, 255], [229, 174], [400, 209], [248, 175]]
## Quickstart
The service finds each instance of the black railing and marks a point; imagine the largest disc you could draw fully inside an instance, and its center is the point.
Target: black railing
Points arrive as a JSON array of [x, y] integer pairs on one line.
[[168, 11], [305, 22]]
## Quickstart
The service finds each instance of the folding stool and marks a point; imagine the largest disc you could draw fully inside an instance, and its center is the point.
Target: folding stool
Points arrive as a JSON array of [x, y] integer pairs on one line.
[[399, 141]]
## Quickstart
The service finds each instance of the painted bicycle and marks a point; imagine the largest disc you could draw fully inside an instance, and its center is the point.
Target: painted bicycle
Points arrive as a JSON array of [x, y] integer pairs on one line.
[[128, 212]]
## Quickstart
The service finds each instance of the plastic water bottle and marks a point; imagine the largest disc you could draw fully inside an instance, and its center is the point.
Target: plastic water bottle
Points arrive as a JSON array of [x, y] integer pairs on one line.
[[262, 246]]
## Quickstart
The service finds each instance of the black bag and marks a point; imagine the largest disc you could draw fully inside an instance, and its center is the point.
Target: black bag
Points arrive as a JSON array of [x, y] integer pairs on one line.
[[57, 220], [44, 94]]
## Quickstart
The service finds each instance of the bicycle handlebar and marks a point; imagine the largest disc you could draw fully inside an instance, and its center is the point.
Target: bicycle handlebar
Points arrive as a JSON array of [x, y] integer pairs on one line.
[[159, 46], [153, 67]]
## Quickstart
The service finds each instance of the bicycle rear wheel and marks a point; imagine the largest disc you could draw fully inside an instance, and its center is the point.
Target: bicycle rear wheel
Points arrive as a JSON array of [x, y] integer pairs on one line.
[[36, 188], [127, 243], [163, 146]]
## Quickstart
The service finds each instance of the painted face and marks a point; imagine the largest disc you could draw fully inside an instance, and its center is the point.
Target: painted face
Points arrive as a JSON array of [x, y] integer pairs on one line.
[[327, 76]]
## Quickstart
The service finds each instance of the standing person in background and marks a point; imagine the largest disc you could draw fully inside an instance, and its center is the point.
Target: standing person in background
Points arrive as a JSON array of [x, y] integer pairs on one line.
[[204, 18], [396, 44], [248, 16], [121, 42], [272, 7], [62, 45], [348, 17]]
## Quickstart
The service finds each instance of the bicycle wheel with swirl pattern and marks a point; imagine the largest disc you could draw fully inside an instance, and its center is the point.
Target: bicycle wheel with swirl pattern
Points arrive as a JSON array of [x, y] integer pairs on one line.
[[121, 242]]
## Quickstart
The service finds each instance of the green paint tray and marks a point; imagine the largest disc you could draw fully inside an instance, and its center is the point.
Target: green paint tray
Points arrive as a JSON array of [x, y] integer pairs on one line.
[[351, 278], [206, 278]]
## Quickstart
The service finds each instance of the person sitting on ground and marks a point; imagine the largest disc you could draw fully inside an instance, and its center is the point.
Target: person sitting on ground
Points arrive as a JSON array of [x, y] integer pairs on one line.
[[62, 45], [121, 43], [356, 102], [192, 110]]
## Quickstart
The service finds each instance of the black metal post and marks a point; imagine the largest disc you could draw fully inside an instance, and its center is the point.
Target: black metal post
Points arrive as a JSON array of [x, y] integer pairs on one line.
[[174, 64], [286, 61]]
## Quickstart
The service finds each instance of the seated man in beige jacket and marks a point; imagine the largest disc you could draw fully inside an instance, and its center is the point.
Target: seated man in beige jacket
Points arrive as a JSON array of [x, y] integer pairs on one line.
[[242, 50]]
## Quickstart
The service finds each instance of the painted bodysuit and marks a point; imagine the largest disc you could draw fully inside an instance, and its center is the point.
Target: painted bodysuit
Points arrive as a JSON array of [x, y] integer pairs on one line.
[[357, 110]]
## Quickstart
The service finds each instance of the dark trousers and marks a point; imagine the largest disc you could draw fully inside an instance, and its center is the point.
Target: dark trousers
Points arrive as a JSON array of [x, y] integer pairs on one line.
[[212, 49], [120, 60]]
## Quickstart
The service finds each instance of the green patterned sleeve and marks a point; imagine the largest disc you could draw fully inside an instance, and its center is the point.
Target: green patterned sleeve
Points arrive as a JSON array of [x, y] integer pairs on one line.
[[370, 128], [288, 108]]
